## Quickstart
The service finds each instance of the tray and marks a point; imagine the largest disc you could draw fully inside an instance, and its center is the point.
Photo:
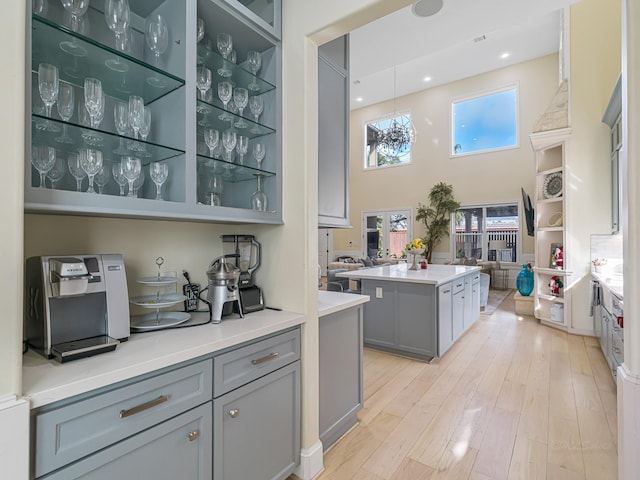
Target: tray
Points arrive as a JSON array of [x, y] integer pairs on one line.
[[151, 321], [153, 301], [157, 281]]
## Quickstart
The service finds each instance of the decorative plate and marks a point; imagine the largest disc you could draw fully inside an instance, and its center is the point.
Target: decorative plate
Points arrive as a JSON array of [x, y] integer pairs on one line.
[[555, 220], [154, 301], [552, 186]]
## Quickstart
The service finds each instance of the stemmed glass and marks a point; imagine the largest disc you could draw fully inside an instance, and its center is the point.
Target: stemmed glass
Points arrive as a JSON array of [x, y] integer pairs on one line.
[[254, 61], [158, 171], [118, 17], [48, 86], [103, 176], [211, 138], [138, 182], [240, 98], [93, 98], [90, 162], [215, 186], [43, 158], [136, 117], [258, 153], [40, 7], [66, 104], [131, 167], [157, 36], [200, 30], [242, 147], [256, 105], [224, 42], [203, 81], [145, 127], [225, 91], [121, 121], [73, 161], [57, 172], [76, 21], [229, 142], [259, 198], [118, 176]]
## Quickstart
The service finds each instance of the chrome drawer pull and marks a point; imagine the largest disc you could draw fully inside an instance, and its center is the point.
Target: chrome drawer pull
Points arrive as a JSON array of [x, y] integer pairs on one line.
[[271, 356], [144, 406], [233, 413], [194, 435]]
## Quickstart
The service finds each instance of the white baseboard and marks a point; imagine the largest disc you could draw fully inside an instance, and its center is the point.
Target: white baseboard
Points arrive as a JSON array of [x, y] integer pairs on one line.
[[310, 462], [628, 386], [14, 437]]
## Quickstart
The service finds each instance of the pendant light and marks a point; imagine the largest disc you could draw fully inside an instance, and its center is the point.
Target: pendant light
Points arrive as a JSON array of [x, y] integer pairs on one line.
[[400, 136]]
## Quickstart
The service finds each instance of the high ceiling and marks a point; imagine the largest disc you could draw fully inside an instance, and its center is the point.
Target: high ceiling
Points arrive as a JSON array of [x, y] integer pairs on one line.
[[465, 38]]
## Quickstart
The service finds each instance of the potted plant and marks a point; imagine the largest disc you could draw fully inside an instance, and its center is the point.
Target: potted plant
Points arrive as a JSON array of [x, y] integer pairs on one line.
[[598, 263], [437, 215]]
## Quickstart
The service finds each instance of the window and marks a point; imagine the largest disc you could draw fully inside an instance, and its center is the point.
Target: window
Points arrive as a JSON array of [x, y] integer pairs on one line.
[[486, 122], [386, 233], [373, 158], [486, 231]]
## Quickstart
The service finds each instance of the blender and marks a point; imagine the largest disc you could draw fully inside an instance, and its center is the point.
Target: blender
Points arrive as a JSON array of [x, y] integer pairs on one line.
[[245, 249]]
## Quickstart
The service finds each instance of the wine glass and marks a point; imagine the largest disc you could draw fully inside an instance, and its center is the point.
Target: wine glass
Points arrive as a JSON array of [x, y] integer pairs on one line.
[[258, 153], [259, 198], [43, 159], [203, 81], [136, 114], [93, 98], [254, 62], [242, 147], [215, 186], [57, 172], [138, 182], [211, 138], [156, 35], [229, 142], [131, 167], [100, 113], [40, 7], [240, 98], [256, 105], [75, 19], [90, 162], [103, 176], [145, 127], [48, 86], [121, 122], [224, 42], [73, 162], [118, 17], [66, 104], [118, 176], [225, 91], [158, 171], [200, 34]]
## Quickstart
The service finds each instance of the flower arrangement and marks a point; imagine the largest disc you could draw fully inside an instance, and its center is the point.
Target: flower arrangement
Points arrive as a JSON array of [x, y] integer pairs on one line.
[[415, 244], [599, 262]]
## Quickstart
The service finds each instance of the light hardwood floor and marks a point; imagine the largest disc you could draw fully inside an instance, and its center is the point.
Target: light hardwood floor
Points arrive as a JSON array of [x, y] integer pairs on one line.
[[512, 399]]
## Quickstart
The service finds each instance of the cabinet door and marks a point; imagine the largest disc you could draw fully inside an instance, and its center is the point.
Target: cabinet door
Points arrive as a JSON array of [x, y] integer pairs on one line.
[[379, 313], [457, 314], [475, 300], [468, 302], [415, 318], [257, 428], [445, 331], [333, 133], [178, 448]]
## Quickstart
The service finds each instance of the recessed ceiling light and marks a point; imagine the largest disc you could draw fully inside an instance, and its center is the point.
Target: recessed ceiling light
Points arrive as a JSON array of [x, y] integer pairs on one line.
[[359, 99], [427, 79], [426, 8], [504, 55]]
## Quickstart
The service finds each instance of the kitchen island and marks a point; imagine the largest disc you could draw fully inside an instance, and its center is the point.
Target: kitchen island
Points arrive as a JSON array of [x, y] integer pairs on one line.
[[418, 313]]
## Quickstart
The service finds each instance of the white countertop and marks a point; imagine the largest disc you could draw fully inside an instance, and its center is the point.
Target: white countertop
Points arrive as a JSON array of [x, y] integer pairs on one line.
[[433, 274], [613, 281], [332, 302], [47, 381]]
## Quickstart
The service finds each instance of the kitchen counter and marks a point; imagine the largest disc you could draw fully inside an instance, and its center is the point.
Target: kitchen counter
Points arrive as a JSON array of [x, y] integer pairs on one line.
[[613, 281], [332, 302], [47, 381], [433, 274]]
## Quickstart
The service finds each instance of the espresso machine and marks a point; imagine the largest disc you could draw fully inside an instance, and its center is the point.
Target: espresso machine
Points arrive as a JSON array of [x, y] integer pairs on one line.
[[245, 249], [75, 306]]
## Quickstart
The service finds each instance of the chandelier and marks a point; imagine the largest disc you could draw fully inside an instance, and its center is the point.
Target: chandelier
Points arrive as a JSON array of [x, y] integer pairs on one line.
[[399, 136]]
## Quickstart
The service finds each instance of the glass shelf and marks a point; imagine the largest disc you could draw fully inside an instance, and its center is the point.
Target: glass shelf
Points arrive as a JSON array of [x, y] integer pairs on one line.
[[109, 144], [52, 42], [239, 76], [231, 172], [209, 117]]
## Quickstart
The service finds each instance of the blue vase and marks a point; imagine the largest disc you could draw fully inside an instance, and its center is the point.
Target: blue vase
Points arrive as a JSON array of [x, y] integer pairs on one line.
[[524, 281]]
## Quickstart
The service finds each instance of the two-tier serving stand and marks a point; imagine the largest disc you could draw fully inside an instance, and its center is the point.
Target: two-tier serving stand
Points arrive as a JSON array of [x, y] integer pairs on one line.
[[159, 319]]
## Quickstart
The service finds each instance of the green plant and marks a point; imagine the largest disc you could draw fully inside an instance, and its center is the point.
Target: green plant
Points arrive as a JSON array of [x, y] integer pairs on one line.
[[437, 215]]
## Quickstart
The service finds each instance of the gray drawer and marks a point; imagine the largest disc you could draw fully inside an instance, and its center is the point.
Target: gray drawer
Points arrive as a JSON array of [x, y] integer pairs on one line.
[[457, 285], [243, 365], [75, 430]]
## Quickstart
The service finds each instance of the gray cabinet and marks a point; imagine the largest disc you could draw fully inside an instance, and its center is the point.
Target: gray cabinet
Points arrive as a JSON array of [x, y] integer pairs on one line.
[[340, 358], [178, 448], [445, 306], [458, 309], [457, 312], [471, 299], [401, 317], [613, 119], [179, 116], [333, 133]]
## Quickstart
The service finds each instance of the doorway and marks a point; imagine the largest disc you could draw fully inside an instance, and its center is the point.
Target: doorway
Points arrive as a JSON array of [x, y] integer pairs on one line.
[[325, 249], [386, 232]]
